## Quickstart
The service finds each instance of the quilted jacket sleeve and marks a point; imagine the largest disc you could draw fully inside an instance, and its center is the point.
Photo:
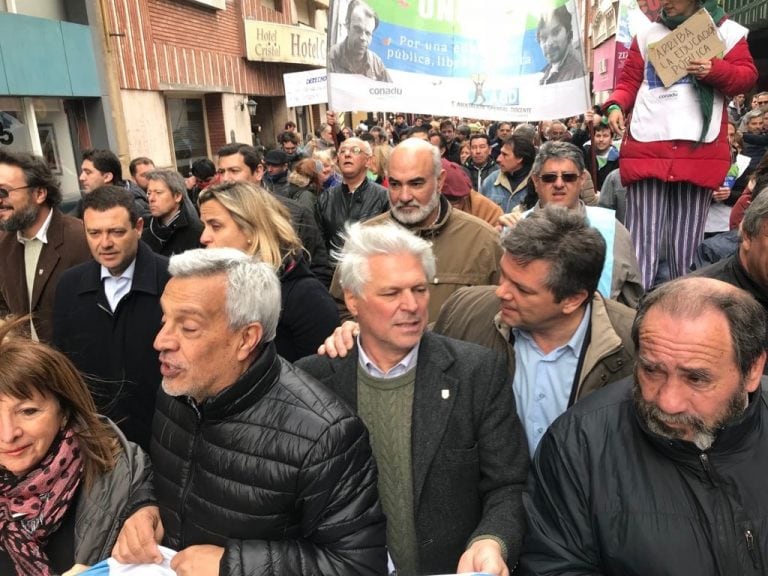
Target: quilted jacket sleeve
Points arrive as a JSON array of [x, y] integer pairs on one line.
[[343, 527], [629, 82]]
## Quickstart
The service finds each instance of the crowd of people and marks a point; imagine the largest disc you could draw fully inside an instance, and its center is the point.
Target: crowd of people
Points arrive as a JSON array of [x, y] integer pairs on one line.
[[449, 346]]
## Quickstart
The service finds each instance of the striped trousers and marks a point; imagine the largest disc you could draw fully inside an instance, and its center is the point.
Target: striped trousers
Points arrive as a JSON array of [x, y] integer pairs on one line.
[[666, 219]]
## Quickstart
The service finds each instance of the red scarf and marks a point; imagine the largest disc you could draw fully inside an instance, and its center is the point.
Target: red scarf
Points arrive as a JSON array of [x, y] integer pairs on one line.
[[33, 506]]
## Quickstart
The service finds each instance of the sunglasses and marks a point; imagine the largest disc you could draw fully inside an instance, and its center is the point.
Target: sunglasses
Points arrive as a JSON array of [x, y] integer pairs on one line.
[[4, 192], [354, 151], [551, 177]]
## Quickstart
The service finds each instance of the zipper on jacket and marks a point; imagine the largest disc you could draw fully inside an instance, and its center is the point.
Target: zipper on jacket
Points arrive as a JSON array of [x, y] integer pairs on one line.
[[750, 538], [190, 458], [707, 468]]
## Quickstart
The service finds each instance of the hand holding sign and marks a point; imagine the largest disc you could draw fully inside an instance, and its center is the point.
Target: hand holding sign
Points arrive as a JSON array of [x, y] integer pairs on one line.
[[688, 49]]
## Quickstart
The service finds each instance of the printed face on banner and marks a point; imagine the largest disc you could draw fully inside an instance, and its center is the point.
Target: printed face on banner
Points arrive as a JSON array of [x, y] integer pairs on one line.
[[438, 58]]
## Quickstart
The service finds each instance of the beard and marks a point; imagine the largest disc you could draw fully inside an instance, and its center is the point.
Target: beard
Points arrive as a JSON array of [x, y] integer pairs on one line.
[[20, 219], [677, 426], [415, 217]]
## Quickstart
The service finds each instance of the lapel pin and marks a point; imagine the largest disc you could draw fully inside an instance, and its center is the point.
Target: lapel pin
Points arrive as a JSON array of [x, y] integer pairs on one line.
[[40, 272], [445, 393]]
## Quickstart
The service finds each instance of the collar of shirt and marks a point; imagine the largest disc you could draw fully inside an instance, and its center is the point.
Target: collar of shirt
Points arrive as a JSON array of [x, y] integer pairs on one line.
[[543, 382], [127, 273], [42, 234], [574, 344], [406, 364], [116, 287]]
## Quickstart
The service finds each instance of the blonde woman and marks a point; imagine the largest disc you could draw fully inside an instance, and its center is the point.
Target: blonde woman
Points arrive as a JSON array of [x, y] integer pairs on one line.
[[243, 216]]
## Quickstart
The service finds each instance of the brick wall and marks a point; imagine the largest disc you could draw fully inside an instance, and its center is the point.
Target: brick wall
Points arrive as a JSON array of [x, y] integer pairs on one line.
[[162, 44], [215, 115]]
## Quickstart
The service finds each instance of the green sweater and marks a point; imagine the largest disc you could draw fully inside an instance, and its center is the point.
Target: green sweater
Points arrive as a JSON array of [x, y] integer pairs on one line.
[[385, 406]]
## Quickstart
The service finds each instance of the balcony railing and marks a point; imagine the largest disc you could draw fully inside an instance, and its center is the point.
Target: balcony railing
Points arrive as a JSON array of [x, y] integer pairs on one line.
[[750, 13]]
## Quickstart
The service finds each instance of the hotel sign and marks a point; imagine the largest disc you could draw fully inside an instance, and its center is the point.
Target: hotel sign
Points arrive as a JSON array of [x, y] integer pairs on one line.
[[267, 42]]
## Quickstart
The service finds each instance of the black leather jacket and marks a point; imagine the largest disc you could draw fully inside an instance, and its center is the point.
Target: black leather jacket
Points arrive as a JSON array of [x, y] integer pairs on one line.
[[336, 206], [275, 469]]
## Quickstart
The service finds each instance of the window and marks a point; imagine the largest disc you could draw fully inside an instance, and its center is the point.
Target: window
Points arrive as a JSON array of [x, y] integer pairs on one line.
[[187, 123]]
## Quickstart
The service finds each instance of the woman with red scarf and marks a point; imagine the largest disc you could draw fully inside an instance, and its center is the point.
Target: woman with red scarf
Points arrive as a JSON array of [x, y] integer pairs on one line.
[[68, 478], [675, 151]]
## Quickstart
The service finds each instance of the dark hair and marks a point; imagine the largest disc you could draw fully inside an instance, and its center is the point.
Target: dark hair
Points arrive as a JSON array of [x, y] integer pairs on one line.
[[602, 127], [562, 17], [479, 136], [106, 162], [447, 124], [464, 130], [286, 136], [140, 161], [37, 174], [368, 137], [368, 10], [574, 250], [443, 141], [109, 196], [423, 129], [203, 169], [290, 124], [251, 156], [522, 146], [689, 297]]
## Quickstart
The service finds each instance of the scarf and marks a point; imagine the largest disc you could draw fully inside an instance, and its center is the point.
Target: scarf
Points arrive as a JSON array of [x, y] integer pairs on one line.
[[705, 92], [32, 507], [163, 232]]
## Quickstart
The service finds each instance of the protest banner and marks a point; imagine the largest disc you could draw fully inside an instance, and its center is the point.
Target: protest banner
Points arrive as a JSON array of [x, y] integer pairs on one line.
[[694, 39], [305, 88], [497, 60]]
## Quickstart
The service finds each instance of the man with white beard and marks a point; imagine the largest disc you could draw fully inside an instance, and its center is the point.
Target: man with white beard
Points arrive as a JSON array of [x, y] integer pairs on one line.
[[467, 249]]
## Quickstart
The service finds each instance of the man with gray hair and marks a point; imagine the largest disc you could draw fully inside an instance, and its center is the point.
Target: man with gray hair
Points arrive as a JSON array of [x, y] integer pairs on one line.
[[663, 472], [747, 268], [355, 198], [450, 449], [558, 174], [258, 468], [467, 249], [174, 225]]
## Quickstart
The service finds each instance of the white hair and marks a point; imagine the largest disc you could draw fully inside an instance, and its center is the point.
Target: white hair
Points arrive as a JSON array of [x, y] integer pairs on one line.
[[253, 288], [361, 242]]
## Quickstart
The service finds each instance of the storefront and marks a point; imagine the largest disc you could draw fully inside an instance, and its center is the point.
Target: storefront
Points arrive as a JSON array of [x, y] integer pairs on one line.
[[50, 101]]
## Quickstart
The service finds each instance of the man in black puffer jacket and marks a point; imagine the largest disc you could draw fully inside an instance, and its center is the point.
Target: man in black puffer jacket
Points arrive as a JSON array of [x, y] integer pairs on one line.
[[259, 469]]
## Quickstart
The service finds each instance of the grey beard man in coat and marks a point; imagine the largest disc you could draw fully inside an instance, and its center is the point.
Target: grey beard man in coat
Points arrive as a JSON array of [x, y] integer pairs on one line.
[[450, 449], [258, 469]]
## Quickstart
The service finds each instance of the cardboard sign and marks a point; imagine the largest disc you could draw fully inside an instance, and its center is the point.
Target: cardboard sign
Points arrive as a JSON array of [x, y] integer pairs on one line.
[[694, 39]]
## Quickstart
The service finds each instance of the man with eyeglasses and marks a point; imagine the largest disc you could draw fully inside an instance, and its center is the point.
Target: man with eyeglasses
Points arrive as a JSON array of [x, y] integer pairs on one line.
[[467, 249], [355, 199], [558, 174], [37, 242]]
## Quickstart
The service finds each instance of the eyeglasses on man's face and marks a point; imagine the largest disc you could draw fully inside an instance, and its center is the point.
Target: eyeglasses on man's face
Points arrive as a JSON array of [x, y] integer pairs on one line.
[[551, 177], [4, 192], [354, 151]]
